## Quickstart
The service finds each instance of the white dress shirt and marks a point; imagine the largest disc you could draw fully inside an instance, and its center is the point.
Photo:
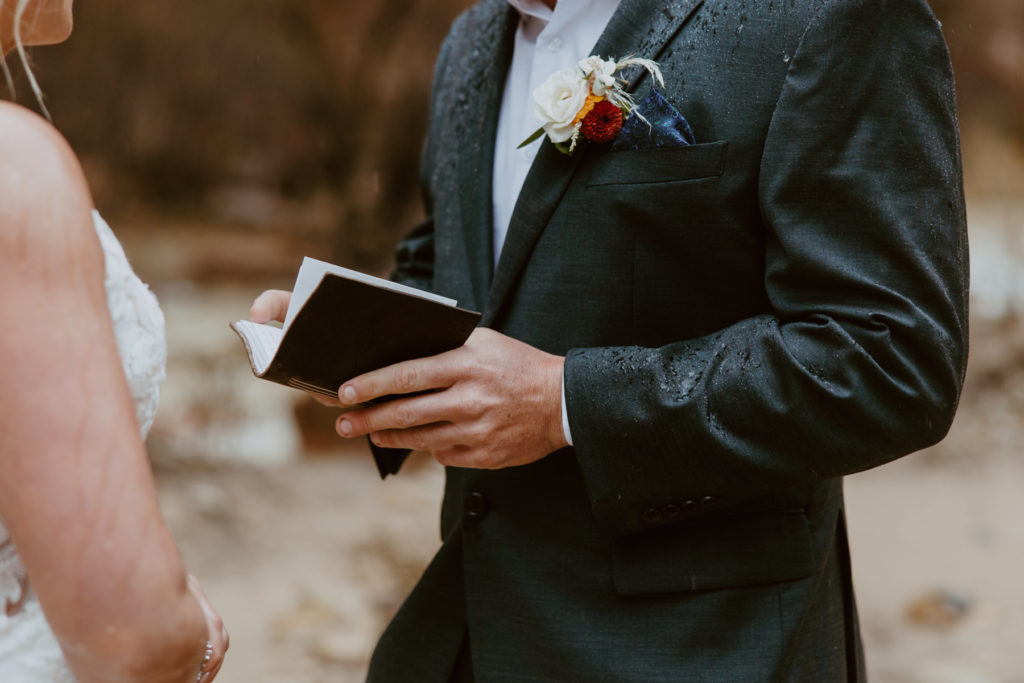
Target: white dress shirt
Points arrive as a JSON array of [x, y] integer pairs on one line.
[[546, 41]]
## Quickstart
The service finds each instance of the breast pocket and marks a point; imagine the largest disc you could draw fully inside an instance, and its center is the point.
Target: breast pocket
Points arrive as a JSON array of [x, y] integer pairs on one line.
[[672, 199], [663, 165]]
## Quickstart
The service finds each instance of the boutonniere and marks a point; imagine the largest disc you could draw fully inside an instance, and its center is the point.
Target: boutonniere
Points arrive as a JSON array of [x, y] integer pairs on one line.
[[586, 101]]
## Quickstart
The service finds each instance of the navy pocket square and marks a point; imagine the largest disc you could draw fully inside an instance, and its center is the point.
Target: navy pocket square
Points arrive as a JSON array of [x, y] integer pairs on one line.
[[654, 123]]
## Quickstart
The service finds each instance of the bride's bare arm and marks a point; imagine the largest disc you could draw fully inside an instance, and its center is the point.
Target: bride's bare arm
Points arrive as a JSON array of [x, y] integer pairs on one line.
[[76, 490]]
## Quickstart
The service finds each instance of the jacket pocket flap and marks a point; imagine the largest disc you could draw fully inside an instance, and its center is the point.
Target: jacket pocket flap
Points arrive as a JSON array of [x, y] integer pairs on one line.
[[712, 553], [661, 165]]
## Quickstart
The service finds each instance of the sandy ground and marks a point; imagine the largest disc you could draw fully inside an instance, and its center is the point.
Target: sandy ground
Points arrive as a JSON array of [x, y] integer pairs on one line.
[[305, 561]]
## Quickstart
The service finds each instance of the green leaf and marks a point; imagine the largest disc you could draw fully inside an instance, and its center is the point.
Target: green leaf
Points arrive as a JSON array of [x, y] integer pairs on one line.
[[537, 134], [563, 148]]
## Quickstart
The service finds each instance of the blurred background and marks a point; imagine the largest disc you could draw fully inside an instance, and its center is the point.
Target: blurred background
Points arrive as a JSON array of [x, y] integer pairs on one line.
[[225, 140]]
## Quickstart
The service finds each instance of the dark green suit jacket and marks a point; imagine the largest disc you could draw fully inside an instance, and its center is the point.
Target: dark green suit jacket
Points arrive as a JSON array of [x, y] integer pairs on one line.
[[745, 320]]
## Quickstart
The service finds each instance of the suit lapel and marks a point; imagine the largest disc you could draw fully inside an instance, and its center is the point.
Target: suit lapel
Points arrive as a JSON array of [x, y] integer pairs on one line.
[[639, 28], [478, 104]]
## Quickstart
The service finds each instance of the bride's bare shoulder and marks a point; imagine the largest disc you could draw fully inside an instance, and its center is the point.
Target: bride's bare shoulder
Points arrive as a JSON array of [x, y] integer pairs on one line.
[[42, 187]]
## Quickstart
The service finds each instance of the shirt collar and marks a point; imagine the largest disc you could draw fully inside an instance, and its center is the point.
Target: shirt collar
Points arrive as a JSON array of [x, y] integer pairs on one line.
[[536, 8], [532, 8]]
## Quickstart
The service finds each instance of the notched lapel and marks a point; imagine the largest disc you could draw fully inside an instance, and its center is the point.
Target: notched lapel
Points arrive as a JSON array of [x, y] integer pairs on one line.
[[478, 102], [639, 28]]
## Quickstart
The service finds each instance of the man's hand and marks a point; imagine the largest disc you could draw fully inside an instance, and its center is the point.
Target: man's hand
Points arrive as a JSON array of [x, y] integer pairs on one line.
[[270, 305], [494, 402]]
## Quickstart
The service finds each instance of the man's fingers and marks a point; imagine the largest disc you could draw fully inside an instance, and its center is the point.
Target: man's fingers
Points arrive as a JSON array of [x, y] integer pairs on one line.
[[270, 305], [401, 378], [457, 456], [431, 437], [399, 414]]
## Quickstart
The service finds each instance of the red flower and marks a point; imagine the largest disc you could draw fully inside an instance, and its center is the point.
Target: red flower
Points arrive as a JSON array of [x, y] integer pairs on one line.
[[603, 122]]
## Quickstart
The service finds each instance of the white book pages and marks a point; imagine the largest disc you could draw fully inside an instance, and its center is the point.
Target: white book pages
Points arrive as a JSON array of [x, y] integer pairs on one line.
[[262, 342], [313, 271]]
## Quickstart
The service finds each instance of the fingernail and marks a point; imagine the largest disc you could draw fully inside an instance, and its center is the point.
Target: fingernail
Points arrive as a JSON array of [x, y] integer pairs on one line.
[[348, 394], [345, 427]]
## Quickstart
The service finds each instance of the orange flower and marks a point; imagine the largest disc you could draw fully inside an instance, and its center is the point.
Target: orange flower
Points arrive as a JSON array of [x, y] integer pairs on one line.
[[592, 100]]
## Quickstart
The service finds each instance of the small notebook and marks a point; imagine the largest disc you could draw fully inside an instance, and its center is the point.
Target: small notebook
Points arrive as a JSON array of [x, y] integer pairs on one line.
[[341, 323]]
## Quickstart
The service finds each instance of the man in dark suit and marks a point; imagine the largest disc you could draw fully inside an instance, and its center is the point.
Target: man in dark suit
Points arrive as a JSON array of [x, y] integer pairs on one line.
[[731, 327]]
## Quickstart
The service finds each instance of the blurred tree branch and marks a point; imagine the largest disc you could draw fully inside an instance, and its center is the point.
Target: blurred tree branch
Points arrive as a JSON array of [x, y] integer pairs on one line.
[[308, 117]]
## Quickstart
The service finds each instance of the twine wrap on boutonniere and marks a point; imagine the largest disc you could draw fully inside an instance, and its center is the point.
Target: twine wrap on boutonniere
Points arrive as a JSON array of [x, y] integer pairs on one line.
[[587, 101]]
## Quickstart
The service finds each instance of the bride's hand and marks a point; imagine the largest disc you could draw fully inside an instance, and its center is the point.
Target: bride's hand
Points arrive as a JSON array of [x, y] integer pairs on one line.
[[273, 305], [217, 640]]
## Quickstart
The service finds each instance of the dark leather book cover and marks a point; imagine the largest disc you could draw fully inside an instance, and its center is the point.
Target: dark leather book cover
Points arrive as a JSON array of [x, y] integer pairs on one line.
[[347, 327]]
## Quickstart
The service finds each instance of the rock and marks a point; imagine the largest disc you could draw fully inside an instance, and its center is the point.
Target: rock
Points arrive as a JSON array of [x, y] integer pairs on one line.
[[209, 499], [342, 646], [939, 609], [307, 618]]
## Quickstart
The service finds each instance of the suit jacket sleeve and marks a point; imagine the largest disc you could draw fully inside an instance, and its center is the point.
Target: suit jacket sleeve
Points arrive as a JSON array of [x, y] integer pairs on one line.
[[862, 356]]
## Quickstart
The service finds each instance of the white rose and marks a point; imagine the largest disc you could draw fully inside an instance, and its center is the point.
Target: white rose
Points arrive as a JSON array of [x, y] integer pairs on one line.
[[557, 101], [601, 73]]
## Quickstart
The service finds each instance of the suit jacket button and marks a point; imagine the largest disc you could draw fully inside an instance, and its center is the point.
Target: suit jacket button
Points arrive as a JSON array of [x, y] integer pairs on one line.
[[670, 511], [475, 505], [689, 505], [708, 499], [652, 516]]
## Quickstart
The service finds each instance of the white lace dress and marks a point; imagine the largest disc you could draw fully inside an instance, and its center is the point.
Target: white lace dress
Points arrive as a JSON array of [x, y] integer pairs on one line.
[[28, 651]]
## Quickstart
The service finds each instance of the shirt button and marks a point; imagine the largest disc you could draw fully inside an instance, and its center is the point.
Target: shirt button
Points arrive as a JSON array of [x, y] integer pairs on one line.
[[475, 505], [555, 44]]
